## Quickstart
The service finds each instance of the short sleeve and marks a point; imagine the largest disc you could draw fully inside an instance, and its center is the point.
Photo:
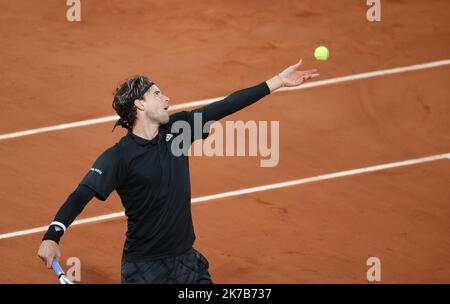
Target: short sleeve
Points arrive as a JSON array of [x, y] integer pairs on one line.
[[106, 173]]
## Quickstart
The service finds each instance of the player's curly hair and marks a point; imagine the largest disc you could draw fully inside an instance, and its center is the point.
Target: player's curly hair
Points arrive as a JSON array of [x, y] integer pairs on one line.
[[124, 97]]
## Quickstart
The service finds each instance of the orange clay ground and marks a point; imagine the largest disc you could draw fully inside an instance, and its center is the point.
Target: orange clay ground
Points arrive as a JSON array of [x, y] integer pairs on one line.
[[54, 72]]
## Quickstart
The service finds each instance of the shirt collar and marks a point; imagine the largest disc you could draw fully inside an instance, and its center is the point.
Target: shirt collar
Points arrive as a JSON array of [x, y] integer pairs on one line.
[[142, 141]]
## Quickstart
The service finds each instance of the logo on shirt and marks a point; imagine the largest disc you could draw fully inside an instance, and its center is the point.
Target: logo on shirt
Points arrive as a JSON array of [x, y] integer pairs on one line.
[[96, 170], [169, 136]]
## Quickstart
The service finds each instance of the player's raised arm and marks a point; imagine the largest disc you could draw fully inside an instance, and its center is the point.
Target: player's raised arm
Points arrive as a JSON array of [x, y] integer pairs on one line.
[[238, 100], [72, 207]]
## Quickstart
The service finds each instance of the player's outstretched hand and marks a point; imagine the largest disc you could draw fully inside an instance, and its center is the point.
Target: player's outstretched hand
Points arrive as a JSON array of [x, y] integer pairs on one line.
[[47, 251], [292, 77]]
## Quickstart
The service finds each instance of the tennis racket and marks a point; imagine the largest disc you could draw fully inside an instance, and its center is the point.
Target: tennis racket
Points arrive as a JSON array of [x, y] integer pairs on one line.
[[60, 273]]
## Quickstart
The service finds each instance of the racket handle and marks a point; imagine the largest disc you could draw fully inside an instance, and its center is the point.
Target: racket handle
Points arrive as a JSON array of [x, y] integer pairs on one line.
[[57, 268]]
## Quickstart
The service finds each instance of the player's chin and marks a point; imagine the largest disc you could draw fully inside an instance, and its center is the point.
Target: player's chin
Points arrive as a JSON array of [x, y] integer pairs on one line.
[[164, 118]]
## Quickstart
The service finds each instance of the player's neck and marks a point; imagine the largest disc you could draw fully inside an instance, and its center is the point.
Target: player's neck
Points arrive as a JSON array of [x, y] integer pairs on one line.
[[147, 130]]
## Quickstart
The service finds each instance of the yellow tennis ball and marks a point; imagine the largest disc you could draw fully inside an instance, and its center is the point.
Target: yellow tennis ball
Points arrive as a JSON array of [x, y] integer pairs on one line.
[[321, 53]]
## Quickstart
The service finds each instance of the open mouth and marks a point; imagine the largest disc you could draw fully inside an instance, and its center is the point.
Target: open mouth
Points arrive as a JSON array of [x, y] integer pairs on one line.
[[166, 108]]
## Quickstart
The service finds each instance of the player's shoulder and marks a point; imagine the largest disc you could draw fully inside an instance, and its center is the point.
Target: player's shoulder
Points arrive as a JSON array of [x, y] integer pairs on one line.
[[112, 153], [182, 115], [178, 121], [116, 151]]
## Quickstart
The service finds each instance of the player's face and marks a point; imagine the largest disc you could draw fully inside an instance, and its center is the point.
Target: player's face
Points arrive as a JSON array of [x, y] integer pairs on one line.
[[156, 105]]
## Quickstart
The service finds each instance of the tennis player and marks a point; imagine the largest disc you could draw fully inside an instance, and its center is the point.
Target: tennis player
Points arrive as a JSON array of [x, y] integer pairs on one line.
[[153, 183]]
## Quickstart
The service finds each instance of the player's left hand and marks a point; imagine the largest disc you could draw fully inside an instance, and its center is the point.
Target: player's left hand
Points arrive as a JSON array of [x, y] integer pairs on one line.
[[292, 77]]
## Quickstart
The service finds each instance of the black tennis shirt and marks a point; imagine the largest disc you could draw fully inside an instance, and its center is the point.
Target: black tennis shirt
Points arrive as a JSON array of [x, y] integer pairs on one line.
[[154, 188], [154, 184]]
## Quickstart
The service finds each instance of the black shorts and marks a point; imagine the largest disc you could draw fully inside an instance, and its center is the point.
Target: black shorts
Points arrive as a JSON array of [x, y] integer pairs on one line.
[[190, 267]]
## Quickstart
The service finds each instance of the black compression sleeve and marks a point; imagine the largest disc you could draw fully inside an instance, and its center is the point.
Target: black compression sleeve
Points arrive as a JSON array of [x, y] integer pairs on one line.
[[234, 102], [72, 207]]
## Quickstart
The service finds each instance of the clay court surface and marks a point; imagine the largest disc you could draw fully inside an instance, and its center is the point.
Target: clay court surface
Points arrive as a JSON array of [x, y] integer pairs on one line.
[[56, 72]]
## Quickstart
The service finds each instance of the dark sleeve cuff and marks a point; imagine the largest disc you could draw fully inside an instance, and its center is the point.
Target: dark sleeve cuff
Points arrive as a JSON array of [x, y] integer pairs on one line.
[[53, 233], [266, 87]]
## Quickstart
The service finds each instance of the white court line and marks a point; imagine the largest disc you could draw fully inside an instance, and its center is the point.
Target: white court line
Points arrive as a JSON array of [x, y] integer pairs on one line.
[[290, 183], [186, 105]]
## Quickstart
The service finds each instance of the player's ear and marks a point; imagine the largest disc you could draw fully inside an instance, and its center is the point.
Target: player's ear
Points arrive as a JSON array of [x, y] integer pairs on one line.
[[138, 104]]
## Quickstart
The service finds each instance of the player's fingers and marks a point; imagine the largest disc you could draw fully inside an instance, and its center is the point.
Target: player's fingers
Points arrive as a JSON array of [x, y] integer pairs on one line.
[[49, 261], [41, 254], [309, 76], [309, 72], [298, 63], [42, 257]]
